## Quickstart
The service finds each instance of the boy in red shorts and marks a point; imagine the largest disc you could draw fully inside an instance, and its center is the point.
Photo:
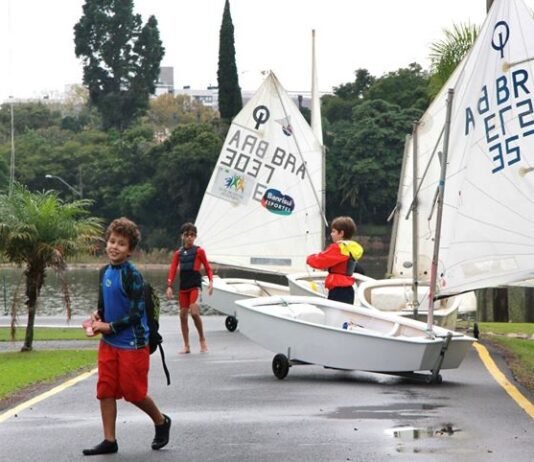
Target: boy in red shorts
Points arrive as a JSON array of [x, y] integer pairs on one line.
[[123, 353], [187, 260]]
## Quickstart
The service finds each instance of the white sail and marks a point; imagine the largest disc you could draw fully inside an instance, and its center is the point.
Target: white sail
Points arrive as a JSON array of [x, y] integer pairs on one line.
[[260, 210], [429, 135], [488, 220]]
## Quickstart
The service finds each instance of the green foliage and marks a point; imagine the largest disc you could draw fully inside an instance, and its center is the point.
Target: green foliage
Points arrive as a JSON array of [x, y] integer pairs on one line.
[[168, 111], [26, 117], [38, 230], [121, 59], [365, 141], [446, 54], [230, 101], [4, 175], [406, 87], [20, 370], [356, 90], [184, 166]]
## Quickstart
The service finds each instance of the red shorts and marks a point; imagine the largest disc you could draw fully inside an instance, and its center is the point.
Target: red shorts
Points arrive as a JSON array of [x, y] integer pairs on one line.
[[188, 297], [122, 373]]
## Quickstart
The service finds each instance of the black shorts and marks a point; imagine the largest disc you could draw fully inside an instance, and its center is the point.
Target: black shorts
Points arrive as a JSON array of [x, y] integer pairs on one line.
[[342, 294]]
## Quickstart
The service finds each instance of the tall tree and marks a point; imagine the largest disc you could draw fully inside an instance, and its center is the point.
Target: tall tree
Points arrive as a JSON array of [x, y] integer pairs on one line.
[[406, 87], [358, 88], [230, 100], [121, 58], [40, 231]]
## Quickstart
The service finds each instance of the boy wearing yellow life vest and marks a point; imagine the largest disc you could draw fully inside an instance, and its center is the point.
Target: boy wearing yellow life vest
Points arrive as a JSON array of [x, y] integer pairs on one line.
[[339, 259]]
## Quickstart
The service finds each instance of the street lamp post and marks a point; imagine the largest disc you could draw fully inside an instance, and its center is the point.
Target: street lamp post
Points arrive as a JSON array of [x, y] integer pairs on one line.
[[74, 190], [12, 163]]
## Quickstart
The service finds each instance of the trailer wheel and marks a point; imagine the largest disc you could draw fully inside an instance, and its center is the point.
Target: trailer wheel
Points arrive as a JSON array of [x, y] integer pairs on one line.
[[231, 323], [280, 366], [431, 380]]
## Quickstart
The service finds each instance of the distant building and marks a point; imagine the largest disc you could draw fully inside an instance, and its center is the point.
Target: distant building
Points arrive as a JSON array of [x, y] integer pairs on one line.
[[165, 83], [208, 97]]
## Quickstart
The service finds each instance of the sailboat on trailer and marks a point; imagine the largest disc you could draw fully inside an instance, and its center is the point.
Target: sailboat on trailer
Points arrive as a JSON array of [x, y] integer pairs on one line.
[[261, 211], [406, 290], [484, 222]]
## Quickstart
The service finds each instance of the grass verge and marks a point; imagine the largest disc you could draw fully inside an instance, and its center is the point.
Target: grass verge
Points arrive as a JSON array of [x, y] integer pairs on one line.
[[512, 339], [19, 371], [46, 333]]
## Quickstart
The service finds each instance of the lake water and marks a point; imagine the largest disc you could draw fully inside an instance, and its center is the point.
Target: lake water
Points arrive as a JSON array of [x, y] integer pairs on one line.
[[83, 289]]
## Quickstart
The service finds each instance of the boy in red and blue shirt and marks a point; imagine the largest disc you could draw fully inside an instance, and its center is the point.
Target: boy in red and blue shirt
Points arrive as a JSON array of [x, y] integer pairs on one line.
[[123, 353], [340, 259], [187, 260]]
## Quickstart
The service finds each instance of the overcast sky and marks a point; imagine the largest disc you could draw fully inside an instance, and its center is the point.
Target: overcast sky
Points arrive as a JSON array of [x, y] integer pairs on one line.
[[37, 49]]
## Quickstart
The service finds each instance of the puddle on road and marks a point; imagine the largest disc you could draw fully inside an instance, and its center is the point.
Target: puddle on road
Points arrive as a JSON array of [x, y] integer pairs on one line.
[[393, 411], [408, 433]]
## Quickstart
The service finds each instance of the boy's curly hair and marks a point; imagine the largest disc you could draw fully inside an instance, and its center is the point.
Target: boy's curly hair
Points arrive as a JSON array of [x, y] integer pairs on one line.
[[124, 227], [345, 224]]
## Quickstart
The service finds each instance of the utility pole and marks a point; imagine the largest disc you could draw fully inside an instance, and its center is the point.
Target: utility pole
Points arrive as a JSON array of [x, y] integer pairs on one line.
[[12, 160]]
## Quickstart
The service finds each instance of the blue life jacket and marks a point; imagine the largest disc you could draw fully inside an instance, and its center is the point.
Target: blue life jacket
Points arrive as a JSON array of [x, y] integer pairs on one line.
[[189, 278]]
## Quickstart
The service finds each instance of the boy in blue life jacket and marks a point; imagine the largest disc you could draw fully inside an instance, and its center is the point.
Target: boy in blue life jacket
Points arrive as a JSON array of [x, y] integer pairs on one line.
[[340, 259], [123, 353], [187, 261]]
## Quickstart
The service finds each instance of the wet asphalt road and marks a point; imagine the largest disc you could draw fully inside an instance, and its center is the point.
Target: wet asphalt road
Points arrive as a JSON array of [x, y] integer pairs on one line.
[[226, 405]]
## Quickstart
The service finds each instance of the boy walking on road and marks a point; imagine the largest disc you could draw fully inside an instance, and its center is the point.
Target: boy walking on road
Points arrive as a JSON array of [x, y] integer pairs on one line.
[[123, 354], [188, 260]]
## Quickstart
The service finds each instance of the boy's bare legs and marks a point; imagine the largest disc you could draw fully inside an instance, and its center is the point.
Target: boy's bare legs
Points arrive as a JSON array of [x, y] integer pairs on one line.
[[149, 407], [108, 411], [195, 314], [162, 422], [185, 329]]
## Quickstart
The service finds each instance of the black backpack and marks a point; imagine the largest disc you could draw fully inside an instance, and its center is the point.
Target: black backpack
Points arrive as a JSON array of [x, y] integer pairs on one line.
[[152, 308], [152, 316]]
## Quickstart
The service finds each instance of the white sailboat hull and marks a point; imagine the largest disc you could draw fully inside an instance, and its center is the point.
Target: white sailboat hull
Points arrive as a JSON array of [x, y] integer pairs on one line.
[[226, 291], [388, 295], [395, 296], [309, 330], [312, 284]]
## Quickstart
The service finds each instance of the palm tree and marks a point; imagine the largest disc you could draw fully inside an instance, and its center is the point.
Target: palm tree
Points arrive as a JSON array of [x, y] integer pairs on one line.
[[446, 54], [39, 230]]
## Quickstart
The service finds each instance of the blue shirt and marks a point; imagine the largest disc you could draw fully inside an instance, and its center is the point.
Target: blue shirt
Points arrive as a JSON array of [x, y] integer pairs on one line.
[[124, 306]]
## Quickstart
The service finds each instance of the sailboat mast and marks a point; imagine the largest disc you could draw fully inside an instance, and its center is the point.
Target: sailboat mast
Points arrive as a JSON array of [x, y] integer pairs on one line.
[[317, 128], [395, 213], [441, 191], [415, 223]]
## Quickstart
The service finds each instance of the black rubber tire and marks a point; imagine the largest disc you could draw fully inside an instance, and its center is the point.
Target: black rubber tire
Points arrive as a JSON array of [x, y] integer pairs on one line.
[[280, 366], [231, 323], [430, 379]]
